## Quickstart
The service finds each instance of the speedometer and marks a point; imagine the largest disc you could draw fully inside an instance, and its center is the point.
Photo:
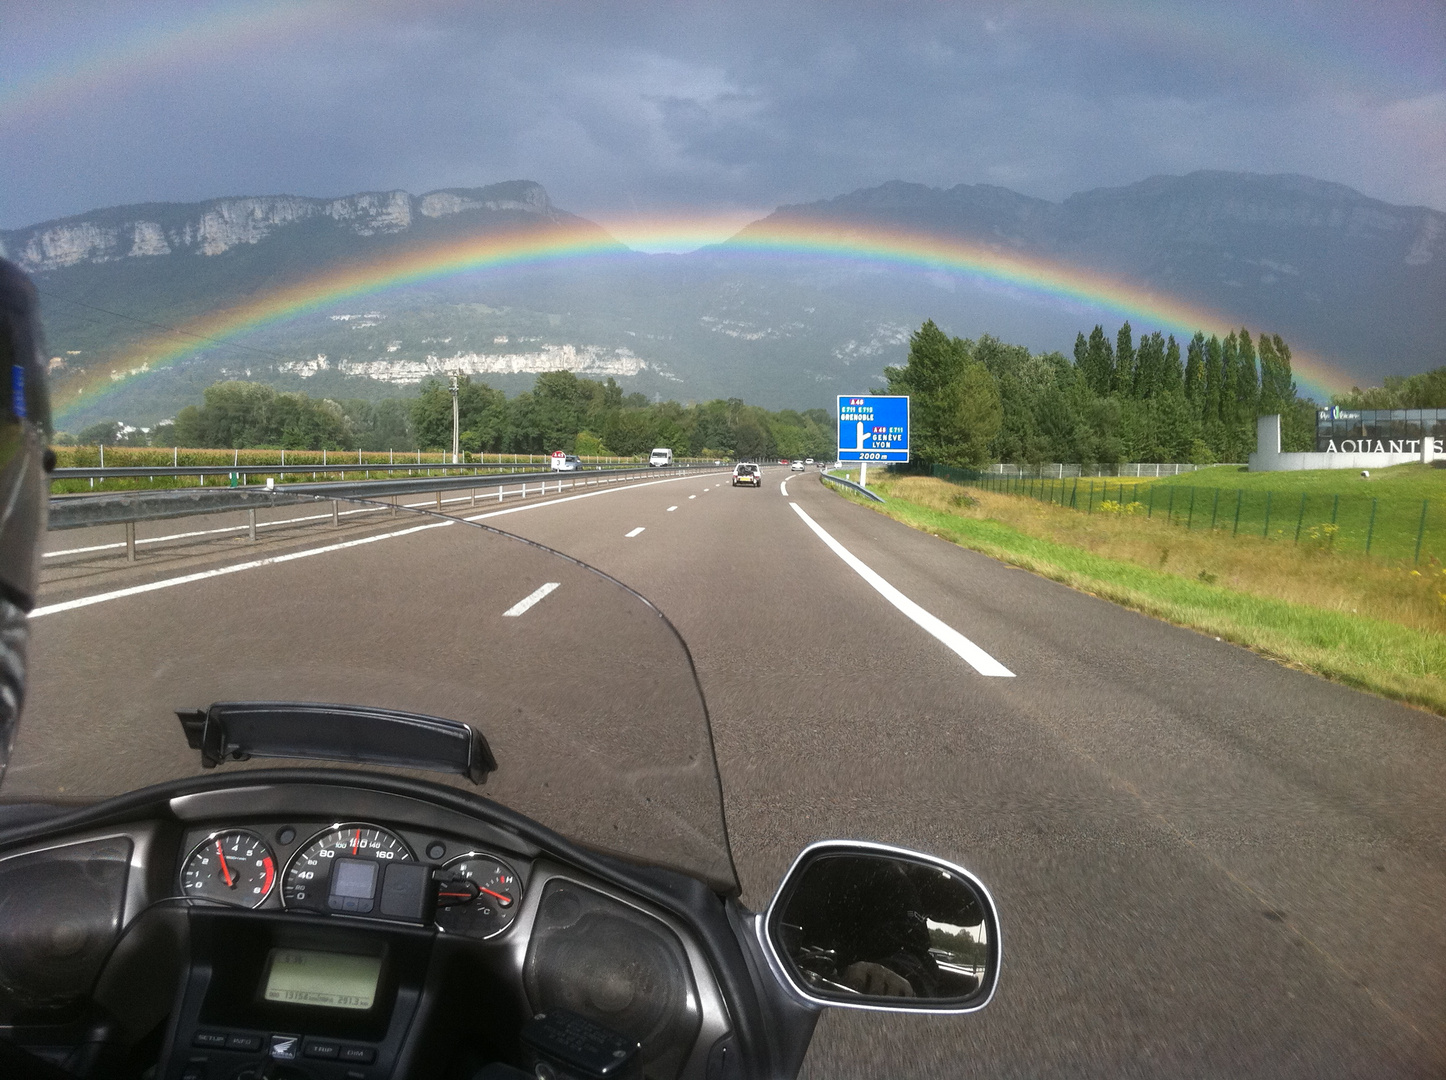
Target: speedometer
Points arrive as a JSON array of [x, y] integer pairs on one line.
[[308, 875]]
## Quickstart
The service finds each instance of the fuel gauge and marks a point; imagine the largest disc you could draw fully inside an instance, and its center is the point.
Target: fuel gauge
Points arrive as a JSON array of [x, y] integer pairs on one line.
[[477, 895], [233, 867]]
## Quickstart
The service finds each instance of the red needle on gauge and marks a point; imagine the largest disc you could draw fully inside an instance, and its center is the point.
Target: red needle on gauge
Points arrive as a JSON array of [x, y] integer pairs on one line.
[[355, 840], [504, 900], [225, 870]]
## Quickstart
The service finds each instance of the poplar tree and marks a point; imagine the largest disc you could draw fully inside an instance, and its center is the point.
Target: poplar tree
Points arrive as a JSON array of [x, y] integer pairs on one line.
[[1247, 382], [1171, 377], [1124, 379], [1195, 391], [1228, 354], [1100, 362], [1214, 372]]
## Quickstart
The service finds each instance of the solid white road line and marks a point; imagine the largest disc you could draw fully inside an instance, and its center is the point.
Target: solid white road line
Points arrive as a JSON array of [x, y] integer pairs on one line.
[[426, 504], [134, 590], [671, 509], [634, 532], [570, 498], [783, 487], [532, 598], [972, 654], [186, 579]]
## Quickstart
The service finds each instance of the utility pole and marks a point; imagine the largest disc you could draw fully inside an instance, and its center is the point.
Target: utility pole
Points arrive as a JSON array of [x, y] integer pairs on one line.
[[455, 419]]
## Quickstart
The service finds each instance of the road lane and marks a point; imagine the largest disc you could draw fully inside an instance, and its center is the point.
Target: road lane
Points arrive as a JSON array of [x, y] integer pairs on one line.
[[1207, 864]]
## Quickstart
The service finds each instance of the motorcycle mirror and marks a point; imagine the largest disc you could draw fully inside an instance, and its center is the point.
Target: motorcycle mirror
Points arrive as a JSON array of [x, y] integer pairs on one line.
[[871, 926]]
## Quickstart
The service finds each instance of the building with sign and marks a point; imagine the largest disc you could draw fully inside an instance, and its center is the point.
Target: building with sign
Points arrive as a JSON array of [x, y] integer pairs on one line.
[[1356, 439]]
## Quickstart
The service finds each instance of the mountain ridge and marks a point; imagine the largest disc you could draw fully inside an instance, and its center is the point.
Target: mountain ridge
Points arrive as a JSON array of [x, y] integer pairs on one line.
[[1337, 273]]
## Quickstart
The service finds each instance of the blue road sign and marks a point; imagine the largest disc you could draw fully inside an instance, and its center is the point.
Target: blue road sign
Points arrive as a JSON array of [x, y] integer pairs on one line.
[[873, 428]]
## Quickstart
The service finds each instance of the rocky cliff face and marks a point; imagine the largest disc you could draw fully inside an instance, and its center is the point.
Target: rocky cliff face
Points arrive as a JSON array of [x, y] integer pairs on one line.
[[1331, 269], [211, 228]]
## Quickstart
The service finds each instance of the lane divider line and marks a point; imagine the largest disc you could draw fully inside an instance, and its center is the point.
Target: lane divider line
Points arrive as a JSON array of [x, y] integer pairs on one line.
[[692, 496], [570, 498], [221, 571], [531, 598], [783, 487], [972, 654], [671, 509], [635, 532], [186, 579]]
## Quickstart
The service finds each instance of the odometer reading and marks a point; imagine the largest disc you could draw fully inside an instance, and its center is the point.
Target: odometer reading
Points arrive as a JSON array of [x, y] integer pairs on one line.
[[232, 867], [308, 876]]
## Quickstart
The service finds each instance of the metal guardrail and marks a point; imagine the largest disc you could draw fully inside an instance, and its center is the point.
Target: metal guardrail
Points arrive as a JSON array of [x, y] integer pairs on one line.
[[850, 484], [129, 507], [301, 468]]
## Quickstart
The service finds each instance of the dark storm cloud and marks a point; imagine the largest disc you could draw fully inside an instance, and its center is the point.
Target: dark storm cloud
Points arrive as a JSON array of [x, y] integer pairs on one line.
[[620, 108]]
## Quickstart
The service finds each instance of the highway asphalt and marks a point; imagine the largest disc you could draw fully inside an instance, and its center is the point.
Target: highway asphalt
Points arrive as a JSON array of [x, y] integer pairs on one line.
[[1206, 864]]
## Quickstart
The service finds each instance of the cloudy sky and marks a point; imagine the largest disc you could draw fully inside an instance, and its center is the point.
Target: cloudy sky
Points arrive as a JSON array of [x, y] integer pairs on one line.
[[629, 110]]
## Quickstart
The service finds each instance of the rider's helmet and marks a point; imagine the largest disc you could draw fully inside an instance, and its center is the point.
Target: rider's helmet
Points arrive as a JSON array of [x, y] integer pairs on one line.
[[25, 458]]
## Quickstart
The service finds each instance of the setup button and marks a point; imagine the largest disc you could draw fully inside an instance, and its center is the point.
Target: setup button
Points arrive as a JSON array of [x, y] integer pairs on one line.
[[214, 1040]]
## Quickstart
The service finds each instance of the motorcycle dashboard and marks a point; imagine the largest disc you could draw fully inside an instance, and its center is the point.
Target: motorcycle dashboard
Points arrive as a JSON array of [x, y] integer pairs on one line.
[[521, 932], [354, 869]]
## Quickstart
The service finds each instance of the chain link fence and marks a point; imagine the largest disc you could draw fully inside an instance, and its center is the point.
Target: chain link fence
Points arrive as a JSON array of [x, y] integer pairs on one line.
[[1390, 527]]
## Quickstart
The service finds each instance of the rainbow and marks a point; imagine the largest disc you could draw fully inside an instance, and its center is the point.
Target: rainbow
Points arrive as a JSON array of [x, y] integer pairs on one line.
[[1052, 282]]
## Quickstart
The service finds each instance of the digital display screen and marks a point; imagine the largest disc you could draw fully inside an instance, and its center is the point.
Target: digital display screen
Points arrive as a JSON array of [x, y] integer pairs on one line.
[[331, 980], [353, 877]]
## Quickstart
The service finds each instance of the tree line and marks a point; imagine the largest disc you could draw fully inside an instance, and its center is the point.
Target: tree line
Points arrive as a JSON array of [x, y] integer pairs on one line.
[[1115, 400], [561, 412], [1426, 390]]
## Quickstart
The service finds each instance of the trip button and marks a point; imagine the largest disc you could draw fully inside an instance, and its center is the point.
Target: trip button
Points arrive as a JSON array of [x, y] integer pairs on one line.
[[321, 1048], [249, 1043], [361, 1055], [212, 1040]]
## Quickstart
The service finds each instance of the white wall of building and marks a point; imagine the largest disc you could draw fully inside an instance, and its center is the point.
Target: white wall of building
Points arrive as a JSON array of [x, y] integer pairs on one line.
[[1350, 453]]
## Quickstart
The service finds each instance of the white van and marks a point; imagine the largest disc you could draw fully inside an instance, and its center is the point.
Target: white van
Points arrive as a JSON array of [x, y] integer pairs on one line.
[[660, 458]]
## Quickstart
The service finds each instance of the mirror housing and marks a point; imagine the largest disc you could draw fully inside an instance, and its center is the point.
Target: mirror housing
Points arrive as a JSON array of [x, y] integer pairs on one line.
[[871, 926]]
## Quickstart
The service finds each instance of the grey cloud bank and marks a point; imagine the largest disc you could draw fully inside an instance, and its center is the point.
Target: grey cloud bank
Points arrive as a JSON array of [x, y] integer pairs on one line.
[[673, 109]]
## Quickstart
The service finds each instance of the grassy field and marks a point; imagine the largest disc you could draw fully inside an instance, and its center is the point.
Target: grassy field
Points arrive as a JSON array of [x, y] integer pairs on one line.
[[1370, 623], [1399, 513]]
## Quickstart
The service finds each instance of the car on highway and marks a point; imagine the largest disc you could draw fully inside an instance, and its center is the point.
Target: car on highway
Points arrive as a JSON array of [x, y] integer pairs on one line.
[[661, 457], [797, 466], [745, 472], [563, 462]]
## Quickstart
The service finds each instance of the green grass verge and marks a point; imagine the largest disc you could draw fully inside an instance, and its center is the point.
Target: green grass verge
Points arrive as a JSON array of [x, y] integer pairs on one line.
[[1381, 516], [1368, 654]]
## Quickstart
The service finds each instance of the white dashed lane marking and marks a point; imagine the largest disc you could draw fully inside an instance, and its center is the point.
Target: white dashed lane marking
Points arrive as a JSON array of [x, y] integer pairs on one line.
[[635, 531], [671, 509], [530, 599]]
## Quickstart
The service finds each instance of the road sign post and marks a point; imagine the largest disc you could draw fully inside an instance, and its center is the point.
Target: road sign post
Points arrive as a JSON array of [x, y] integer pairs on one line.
[[872, 428]]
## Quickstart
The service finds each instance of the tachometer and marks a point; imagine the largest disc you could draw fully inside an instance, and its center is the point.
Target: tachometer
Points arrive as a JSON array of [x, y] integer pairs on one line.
[[232, 867], [308, 875]]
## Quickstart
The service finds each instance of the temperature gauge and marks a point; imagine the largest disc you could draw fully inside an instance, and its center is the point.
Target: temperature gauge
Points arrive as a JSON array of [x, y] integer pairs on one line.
[[233, 867], [477, 895]]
